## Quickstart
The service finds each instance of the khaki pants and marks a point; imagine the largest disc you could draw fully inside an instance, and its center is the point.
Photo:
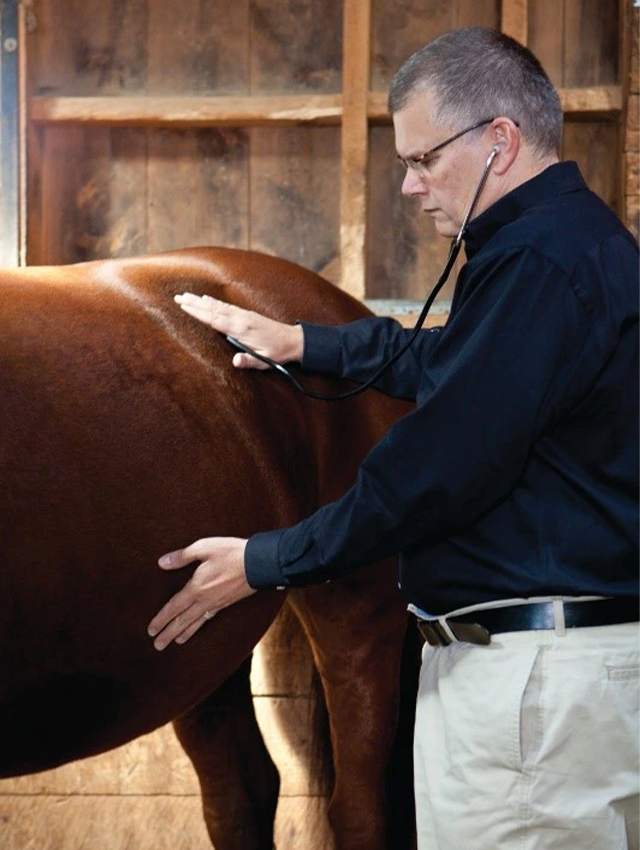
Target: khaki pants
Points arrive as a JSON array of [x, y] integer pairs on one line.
[[530, 743]]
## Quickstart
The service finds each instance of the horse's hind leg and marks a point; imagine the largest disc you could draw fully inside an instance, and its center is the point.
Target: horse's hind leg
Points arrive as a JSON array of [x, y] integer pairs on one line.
[[238, 780], [356, 627]]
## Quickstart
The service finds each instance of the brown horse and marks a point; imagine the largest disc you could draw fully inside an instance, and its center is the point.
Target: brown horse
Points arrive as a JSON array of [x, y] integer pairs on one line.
[[125, 432]]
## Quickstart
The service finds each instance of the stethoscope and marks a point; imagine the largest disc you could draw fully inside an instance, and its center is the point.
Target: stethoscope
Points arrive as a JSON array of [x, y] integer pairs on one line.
[[446, 271]]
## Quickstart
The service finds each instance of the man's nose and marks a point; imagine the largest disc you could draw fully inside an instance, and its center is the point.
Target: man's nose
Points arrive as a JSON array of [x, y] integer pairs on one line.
[[413, 184]]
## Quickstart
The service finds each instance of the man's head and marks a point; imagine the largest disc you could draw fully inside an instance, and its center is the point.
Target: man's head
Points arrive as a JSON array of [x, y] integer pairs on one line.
[[484, 86]]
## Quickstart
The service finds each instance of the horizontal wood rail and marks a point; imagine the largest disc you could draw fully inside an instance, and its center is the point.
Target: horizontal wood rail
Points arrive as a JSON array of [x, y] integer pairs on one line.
[[158, 111]]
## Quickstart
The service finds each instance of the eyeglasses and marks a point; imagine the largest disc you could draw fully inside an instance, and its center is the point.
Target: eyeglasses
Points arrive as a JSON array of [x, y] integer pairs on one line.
[[419, 163]]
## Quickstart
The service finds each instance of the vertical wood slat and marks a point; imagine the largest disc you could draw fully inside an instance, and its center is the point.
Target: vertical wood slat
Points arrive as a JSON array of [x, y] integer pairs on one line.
[[630, 135], [25, 18], [354, 156], [9, 190], [515, 18]]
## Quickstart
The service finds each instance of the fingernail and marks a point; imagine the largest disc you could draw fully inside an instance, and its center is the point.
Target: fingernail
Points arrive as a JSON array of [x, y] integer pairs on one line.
[[165, 561]]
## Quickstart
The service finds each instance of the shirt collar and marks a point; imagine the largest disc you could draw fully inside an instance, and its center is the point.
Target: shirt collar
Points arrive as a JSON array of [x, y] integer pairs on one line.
[[558, 179]]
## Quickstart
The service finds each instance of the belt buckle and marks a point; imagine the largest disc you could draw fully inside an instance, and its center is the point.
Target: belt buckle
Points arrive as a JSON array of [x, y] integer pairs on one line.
[[435, 635], [471, 633]]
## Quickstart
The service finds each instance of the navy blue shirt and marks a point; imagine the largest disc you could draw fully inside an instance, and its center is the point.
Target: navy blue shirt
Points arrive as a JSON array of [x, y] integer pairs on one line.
[[517, 473]]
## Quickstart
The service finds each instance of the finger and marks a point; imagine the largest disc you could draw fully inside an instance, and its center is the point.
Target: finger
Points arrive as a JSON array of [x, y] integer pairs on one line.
[[183, 557], [246, 361], [203, 314], [174, 560], [189, 632], [174, 608], [179, 628]]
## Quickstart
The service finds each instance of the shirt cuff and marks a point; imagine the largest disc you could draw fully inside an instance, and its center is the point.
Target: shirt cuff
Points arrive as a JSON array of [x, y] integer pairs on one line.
[[261, 561], [321, 351]]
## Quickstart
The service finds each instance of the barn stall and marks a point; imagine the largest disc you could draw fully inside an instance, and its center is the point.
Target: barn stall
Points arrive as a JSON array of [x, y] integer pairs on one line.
[[132, 126]]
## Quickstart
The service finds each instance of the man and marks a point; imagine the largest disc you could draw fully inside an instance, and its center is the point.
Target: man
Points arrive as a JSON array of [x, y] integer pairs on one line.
[[510, 492]]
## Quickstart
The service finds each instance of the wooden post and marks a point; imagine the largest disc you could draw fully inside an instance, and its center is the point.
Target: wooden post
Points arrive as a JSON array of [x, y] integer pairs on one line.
[[630, 130], [514, 22], [9, 161], [353, 183]]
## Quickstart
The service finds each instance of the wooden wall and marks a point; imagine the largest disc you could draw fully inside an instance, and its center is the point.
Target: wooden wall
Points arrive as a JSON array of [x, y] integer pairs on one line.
[[154, 124]]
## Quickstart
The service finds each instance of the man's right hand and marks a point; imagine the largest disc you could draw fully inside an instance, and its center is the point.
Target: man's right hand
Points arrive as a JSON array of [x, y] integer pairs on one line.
[[278, 341]]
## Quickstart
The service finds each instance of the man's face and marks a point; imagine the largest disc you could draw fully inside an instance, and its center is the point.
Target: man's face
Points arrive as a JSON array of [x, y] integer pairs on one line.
[[446, 182]]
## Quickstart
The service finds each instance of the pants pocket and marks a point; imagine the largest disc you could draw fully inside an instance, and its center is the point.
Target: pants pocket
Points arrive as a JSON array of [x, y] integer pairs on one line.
[[530, 723]]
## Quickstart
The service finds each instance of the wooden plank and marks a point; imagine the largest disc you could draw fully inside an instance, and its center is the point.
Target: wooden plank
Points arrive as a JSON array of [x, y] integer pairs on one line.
[[189, 111], [353, 172], [294, 190], [546, 39], [470, 13], [162, 822], [107, 822], [630, 159], [202, 198], [632, 130], [632, 186], [111, 198], [590, 44], [62, 150], [9, 125], [296, 46], [515, 20], [401, 27], [93, 194], [595, 145], [86, 48], [603, 100], [198, 48], [634, 59], [26, 22], [321, 110], [633, 214]]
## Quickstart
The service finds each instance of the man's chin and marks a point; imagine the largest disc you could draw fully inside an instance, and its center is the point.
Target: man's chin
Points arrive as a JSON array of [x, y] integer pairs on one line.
[[446, 228]]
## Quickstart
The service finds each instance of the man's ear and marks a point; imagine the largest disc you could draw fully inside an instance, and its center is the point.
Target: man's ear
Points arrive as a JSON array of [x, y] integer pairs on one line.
[[506, 138]]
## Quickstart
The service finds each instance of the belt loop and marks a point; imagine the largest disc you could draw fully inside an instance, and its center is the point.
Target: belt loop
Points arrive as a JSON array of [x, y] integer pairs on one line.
[[446, 628], [558, 617]]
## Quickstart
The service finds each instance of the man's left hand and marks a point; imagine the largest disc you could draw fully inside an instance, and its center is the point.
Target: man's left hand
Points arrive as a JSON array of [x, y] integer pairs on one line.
[[218, 581]]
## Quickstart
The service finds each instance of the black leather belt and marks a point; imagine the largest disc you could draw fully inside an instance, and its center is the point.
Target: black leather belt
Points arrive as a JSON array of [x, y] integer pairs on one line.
[[478, 626]]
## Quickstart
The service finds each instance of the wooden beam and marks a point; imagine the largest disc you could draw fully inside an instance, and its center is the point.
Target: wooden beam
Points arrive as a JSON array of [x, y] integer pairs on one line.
[[355, 130], [188, 111], [264, 111], [600, 100], [515, 19]]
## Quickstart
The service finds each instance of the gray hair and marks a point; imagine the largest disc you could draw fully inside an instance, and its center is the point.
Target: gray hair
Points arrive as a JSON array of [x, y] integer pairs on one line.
[[476, 73]]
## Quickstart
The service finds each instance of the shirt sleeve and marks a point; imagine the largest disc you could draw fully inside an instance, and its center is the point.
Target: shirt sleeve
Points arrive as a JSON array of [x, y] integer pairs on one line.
[[358, 349], [493, 383]]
